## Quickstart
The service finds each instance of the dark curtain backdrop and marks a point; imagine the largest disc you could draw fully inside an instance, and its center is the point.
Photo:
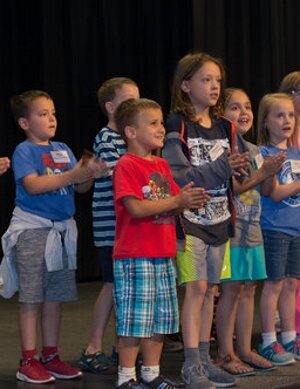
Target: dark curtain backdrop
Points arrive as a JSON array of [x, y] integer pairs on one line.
[[69, 47]]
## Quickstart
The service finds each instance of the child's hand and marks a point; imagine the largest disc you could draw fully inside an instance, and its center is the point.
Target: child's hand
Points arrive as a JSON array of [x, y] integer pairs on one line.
[[4, 164], [98, 167], [273, 164], [191, 197], [239, 163], [81, 173]]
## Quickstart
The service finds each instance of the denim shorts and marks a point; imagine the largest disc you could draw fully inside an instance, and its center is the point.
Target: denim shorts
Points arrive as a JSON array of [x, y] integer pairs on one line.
[[199, 261], [36, 283], [145, 297], [282, 253], [106, 262]]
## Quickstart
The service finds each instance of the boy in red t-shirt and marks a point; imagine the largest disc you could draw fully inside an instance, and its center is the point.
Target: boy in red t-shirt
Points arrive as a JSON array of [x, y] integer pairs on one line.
[[146, 200]]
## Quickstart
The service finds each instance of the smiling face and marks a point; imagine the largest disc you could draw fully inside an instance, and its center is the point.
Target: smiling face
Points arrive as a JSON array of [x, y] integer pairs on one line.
[[238, 109], [40, 123], [280, 122], [204, 87], [146, 133]]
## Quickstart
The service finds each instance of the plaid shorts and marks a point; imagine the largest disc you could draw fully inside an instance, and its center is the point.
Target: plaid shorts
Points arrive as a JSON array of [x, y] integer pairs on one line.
[[145, 297]]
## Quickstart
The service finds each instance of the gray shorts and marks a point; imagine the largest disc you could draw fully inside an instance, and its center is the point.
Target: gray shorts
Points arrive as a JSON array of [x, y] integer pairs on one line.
[[36, 284], [197, 260]]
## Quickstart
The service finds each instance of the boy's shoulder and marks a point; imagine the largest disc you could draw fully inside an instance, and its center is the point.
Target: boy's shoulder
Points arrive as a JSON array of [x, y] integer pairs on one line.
[[106, 133]]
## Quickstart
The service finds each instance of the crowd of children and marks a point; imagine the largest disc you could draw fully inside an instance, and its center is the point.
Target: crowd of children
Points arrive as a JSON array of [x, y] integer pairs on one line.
[[160, 223]]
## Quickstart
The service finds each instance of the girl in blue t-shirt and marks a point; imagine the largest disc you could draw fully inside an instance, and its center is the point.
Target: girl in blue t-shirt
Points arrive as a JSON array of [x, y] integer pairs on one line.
[[277, 131]]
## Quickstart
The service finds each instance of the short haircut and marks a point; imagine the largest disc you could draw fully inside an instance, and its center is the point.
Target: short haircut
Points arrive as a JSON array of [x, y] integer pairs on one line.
[[128, 110], [21, 103], [107, 90]]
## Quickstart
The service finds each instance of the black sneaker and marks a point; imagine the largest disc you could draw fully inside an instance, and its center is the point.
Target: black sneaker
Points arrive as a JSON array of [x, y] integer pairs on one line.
[[97, 363], [161, 382], [131, 384]]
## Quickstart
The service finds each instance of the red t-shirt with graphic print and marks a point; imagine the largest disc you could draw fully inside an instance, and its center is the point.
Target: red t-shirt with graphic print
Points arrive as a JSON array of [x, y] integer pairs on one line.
[[153, 236]]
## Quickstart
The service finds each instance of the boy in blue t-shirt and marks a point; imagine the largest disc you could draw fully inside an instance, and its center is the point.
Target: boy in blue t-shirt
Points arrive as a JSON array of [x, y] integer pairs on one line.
[[43, 233]]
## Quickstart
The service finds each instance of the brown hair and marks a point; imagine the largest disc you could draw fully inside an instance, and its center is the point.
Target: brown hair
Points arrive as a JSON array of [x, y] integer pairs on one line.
[[186, 68], [265, 105], [107, 90], [20, 104], [127, 111]]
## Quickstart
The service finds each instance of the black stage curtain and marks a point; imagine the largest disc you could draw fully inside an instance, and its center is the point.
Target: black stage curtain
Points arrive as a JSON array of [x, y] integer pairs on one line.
[[69, 47]]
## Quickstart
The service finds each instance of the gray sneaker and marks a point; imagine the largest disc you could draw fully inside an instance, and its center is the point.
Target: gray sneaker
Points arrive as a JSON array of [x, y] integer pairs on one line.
[[194, 377], [219, 377]]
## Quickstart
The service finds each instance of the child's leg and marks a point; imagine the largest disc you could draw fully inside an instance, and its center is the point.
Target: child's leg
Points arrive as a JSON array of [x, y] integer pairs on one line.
[[226, 316], [244, 325], [268, 304], [51, 318], [28, 318], [101, 314], [207, 313], [244, 320], [286, 304], [128, 347], [191, 312]]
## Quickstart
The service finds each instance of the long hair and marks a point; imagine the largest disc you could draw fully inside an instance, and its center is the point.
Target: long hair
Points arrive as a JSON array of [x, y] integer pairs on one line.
[[263, 133], [186, 68]]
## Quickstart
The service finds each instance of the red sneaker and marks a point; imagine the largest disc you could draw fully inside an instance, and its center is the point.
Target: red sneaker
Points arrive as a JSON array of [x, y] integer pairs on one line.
[[32, 371], [60, 369]]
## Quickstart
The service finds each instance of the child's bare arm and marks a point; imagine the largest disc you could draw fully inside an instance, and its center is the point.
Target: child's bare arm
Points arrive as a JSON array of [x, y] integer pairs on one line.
[[4, 164], [36, 184], [188, 197], [264, 176], [281, 192]]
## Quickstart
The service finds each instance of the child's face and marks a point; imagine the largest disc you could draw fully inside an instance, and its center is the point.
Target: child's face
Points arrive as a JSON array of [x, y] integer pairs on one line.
[[40, 124], [127, 91], [280, 121], [204, 87], [239, 111], [148, 130]]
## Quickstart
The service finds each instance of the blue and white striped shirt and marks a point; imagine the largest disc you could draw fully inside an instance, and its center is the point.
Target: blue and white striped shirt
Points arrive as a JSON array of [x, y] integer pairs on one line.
[[109, 146]]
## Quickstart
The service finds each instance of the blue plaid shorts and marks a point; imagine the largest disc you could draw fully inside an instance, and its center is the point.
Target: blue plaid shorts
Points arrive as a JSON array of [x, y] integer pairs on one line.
[[145, 297]]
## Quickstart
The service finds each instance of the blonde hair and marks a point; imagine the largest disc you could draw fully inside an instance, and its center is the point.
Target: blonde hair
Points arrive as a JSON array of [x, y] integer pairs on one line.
[[265, 105], [290, 83], [186, 68]]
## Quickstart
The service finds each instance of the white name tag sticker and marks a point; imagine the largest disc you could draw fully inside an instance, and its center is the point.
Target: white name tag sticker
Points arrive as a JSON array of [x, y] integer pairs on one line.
[[216, 151], [295, 166], [259, 160], [60, 156]]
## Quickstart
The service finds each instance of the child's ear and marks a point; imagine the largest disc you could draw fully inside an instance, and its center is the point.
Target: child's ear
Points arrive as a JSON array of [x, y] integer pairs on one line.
[[130, 132], [185, 86], [109, 107], [23, 123]]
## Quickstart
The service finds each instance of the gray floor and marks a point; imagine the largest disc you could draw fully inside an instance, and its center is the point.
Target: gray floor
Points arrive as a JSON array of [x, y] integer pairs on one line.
[[76, 319]]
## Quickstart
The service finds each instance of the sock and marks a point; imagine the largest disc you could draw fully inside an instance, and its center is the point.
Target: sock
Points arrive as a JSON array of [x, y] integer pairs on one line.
[[28, 354], [149, 373], [268, 338], [47, 351], [191, 356], [204, 351], [288, 336], [126, 374]]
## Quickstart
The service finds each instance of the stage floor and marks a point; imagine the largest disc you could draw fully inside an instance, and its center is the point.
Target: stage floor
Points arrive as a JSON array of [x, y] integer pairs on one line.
[[75, 326]]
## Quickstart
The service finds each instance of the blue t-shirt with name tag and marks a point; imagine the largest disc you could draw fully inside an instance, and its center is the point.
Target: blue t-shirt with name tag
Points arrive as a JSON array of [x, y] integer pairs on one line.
[[55, 158], [283, 215]]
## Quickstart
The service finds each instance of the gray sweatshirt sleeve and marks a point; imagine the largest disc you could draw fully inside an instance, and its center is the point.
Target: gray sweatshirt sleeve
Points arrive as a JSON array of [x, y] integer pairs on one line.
[[208, 176]]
